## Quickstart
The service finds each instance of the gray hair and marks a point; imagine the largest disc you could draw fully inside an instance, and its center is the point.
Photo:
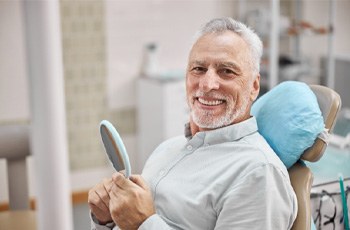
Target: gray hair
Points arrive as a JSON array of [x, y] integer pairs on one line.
[[219, 25]]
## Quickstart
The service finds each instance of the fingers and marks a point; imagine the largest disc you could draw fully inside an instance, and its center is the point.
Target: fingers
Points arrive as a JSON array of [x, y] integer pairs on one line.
[[102, 191], [99, 195], [137, 179], [124, 187], [107, 183], [123, 183], [97, 211], [120, 180], [99, 200], [123, 172], [104, 198]]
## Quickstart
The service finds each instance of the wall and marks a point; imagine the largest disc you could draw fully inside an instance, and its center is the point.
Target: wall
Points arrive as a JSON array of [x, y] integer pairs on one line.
[[14, 102], [84, 61], [132, 24]]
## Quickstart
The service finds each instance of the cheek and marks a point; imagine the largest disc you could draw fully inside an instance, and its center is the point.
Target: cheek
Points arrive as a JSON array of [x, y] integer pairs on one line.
[[236, 97], [190, 85], [189, 92], [243, 98]]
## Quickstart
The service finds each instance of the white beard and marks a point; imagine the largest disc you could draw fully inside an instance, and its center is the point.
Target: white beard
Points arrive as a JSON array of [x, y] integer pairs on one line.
[[206, 119]]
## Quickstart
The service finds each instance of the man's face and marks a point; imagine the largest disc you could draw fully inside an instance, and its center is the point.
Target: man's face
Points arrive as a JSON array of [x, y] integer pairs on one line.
[[219, 81]]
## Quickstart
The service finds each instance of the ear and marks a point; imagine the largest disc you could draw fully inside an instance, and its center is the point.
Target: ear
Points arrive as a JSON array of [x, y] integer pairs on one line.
[[255, 88]]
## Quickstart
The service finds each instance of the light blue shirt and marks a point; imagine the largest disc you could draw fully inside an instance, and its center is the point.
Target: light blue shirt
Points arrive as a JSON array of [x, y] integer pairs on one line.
[[228, 178]]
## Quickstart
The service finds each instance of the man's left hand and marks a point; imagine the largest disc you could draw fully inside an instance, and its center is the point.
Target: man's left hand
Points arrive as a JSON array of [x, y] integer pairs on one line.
[[131, 201]]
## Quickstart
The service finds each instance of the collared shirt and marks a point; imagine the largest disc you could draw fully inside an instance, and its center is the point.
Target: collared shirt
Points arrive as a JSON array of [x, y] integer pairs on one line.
[[227, 178]]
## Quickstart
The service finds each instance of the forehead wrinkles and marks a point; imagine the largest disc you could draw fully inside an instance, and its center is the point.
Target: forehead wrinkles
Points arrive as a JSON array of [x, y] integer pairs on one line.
[[214, 52], [226, 40], [220, 48]]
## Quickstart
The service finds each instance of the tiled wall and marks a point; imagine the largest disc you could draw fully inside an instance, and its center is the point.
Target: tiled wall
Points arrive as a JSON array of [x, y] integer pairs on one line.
[[84, 58]]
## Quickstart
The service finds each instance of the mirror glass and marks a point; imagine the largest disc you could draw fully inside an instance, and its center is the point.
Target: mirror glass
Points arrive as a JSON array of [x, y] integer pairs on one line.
[[115, 148]]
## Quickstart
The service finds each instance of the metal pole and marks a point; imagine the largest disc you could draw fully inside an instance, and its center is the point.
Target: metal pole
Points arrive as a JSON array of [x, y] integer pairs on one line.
[[48, 140], [330, 64], [274, 43], [297, 42]]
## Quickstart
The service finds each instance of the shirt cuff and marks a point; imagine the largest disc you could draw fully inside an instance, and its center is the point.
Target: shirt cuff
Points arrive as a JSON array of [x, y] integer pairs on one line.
[[154, 222], [95, 225]]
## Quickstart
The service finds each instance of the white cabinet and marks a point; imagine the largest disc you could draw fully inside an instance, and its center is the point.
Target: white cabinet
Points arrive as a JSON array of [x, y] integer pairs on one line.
[[162, 113]]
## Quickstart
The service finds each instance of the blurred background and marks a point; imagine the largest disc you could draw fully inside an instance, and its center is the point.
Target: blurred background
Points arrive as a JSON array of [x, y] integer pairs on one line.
[[125, 61]]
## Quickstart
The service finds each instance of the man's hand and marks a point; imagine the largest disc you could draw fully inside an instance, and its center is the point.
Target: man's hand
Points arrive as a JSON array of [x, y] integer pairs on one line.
[[131, 201], [99, 201]]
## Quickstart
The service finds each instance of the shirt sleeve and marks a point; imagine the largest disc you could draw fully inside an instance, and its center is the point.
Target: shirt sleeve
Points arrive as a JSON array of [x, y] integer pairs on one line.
[[96, 226], [151, 223], [264, 199], [154, 222]]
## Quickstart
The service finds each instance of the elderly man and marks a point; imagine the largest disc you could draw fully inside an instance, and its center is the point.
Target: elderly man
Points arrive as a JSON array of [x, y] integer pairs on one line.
[[222, 174]]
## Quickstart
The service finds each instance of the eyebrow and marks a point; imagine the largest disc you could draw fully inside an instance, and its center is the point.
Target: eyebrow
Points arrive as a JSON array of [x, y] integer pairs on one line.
[[219, 64], [232, 65], [201, 63], [229, 64]]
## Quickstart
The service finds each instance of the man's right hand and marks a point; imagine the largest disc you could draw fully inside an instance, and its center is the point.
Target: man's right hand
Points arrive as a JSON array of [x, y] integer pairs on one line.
[[99, 201]]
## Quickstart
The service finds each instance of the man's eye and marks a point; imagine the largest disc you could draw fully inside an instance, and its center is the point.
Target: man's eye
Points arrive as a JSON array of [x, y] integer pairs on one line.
[[198, 69], [227, 71]]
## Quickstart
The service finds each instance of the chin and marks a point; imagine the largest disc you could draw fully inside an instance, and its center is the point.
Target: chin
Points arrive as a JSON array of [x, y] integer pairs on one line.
[[206, 122]]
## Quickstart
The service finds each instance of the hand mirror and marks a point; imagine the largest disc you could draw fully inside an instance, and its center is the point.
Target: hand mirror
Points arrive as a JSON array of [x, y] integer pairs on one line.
[[115, 148]]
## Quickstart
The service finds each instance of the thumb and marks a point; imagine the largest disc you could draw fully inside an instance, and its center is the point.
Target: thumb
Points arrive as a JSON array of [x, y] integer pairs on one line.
[[137, 179]]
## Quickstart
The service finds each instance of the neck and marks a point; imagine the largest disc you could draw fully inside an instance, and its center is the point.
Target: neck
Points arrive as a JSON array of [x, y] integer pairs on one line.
[[195, 128]]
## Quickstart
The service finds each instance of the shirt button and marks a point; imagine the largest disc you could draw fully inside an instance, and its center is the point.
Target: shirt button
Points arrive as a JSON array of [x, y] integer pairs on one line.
[[162, 172], [189, 147]]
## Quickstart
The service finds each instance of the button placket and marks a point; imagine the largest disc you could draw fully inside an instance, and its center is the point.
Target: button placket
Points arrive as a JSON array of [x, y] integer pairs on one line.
[[189, 147], [162, 172]]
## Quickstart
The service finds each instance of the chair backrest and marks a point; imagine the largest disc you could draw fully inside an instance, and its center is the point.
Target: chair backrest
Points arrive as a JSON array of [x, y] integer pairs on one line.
[[14, 147], [300, 175]]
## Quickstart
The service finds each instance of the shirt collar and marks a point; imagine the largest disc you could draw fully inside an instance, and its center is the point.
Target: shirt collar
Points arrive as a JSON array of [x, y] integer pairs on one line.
[[225, 134]]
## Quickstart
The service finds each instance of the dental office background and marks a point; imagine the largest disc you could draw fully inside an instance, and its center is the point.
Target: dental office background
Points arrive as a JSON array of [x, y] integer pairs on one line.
[[125, 61]]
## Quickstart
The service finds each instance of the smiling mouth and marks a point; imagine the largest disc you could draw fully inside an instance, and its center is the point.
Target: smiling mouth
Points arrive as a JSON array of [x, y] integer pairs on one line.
[[210, 102]]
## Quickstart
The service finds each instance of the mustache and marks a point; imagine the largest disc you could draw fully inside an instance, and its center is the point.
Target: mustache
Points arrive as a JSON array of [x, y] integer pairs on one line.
[[212, 94]]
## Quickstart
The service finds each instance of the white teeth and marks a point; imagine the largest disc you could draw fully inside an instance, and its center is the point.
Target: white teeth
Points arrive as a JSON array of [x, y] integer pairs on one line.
[[205, 102]]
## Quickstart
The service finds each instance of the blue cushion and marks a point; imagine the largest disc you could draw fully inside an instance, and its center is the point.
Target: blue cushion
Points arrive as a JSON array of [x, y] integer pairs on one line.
[[289, 118]]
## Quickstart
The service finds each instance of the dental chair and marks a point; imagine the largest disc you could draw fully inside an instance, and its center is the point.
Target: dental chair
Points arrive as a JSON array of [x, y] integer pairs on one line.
[[14, 148], [300, 175], [295, 119]]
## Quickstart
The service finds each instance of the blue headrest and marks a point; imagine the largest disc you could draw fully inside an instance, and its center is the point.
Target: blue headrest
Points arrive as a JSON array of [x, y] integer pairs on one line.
[[289, 118]]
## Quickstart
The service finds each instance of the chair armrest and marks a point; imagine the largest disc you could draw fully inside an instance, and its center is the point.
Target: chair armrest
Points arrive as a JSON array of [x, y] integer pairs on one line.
[[301, 178]]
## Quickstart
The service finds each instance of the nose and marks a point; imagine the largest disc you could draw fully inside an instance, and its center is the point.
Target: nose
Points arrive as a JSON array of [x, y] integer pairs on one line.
[[209, 81]]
